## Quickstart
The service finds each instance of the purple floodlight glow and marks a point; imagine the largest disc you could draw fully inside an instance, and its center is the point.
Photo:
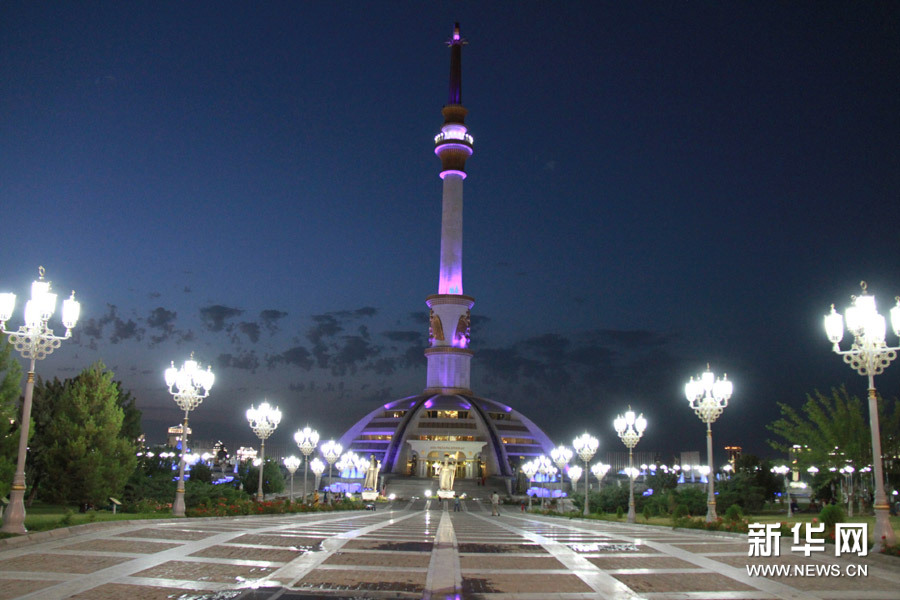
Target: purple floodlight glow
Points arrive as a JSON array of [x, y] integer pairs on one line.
[[413, 403], [453, 172], [465, 405], [429, 403], [460, 341], [451, 280], [453, 146]]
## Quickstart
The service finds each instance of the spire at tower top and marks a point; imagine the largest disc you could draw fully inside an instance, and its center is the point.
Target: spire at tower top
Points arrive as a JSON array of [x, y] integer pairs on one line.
[[456, 44]]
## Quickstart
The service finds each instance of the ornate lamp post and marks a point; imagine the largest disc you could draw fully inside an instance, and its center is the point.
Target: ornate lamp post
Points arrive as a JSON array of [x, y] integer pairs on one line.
[[529, 469], [561, 457], [575, 473], [600, 470], [847, 471], [544, 467], [331, 451], [586, 446], [189, 386], [263, 421], [317, 467], [869, 356], [34, 341], [708, 397], [630, 430], [307, 439], [783, 470], [292, 463]]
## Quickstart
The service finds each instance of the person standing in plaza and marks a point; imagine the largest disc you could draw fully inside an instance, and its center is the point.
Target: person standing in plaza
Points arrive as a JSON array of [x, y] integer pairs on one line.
[[495, 504]]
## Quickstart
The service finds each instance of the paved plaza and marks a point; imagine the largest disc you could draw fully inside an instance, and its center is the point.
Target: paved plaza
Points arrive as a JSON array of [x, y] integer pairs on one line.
[[411, 550]]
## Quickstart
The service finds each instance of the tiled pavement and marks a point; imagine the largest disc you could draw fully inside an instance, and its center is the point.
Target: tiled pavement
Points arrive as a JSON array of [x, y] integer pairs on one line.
[[413, 550]]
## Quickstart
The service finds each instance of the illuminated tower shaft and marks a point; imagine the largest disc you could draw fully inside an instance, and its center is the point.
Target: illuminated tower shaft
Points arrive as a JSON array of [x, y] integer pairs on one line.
[[449, 357]]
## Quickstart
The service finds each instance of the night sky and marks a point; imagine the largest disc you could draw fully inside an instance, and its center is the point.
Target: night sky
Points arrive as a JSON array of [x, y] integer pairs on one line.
[[655, 186]]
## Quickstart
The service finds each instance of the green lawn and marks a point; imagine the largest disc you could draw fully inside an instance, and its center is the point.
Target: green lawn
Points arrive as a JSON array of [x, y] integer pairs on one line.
[[41, 517]]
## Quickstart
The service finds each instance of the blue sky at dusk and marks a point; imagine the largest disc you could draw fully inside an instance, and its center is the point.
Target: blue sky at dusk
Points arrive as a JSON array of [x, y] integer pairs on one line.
[[655, 186]]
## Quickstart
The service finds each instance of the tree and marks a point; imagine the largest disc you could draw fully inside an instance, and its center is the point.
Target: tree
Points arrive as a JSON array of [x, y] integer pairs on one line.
[[85, 458], [10, 386], [832, 430], [131, 421], [273, 480]]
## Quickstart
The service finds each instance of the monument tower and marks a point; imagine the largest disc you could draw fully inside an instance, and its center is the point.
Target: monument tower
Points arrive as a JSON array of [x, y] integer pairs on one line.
[[449, 357], [447, 429]]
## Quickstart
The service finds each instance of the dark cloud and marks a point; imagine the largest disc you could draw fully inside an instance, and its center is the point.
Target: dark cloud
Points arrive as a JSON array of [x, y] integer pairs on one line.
[[552, 361], [187, 290], [365, 311], [325, 326], [354, 352], [251, 330], [121, 330], [162, 319], [405, 337], [479, 321], [154, 295], [297, 356], [270, 318], [216, 316], [383, 366], [247, 361], [634, 339]]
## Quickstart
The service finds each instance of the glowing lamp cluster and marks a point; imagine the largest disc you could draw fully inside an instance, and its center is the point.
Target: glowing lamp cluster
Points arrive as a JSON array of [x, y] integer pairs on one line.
[[561, 456], [189, 385], [868, 352], [708, 396], [630, 428], [263, 420]]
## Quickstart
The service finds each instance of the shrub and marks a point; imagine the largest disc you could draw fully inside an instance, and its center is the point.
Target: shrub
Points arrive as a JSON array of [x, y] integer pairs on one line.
[[648, 512], [831, 515], [734, 513], [680, 513], [619, 512]]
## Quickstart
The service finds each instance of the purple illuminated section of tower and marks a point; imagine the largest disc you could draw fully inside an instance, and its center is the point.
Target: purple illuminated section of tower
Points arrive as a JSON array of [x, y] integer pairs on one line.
[[451, 281]]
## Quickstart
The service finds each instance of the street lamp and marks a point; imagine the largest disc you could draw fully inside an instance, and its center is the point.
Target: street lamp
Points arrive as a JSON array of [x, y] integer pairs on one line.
[[331, 451], [561, 457], [708, 397], [317, 467], [586, 446], [529, 469], [292, 463], [307, 439], [34, 341], [630, 430], [600, 470], [848, 471], [575, 473], [869, 356], [189, 386], [263, 421], [783, 470], [545, 468]]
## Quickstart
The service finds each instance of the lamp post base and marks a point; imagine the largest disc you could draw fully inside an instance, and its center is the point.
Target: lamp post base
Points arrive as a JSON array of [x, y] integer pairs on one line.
[[711, 511], [14, 515], [178, 505]]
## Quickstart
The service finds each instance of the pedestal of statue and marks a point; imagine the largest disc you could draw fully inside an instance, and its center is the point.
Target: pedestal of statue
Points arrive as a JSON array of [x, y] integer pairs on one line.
[[369, 495], [446, 494]]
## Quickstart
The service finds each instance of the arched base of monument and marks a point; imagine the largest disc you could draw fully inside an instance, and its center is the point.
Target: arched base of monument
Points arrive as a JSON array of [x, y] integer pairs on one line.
[[446, 494]]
